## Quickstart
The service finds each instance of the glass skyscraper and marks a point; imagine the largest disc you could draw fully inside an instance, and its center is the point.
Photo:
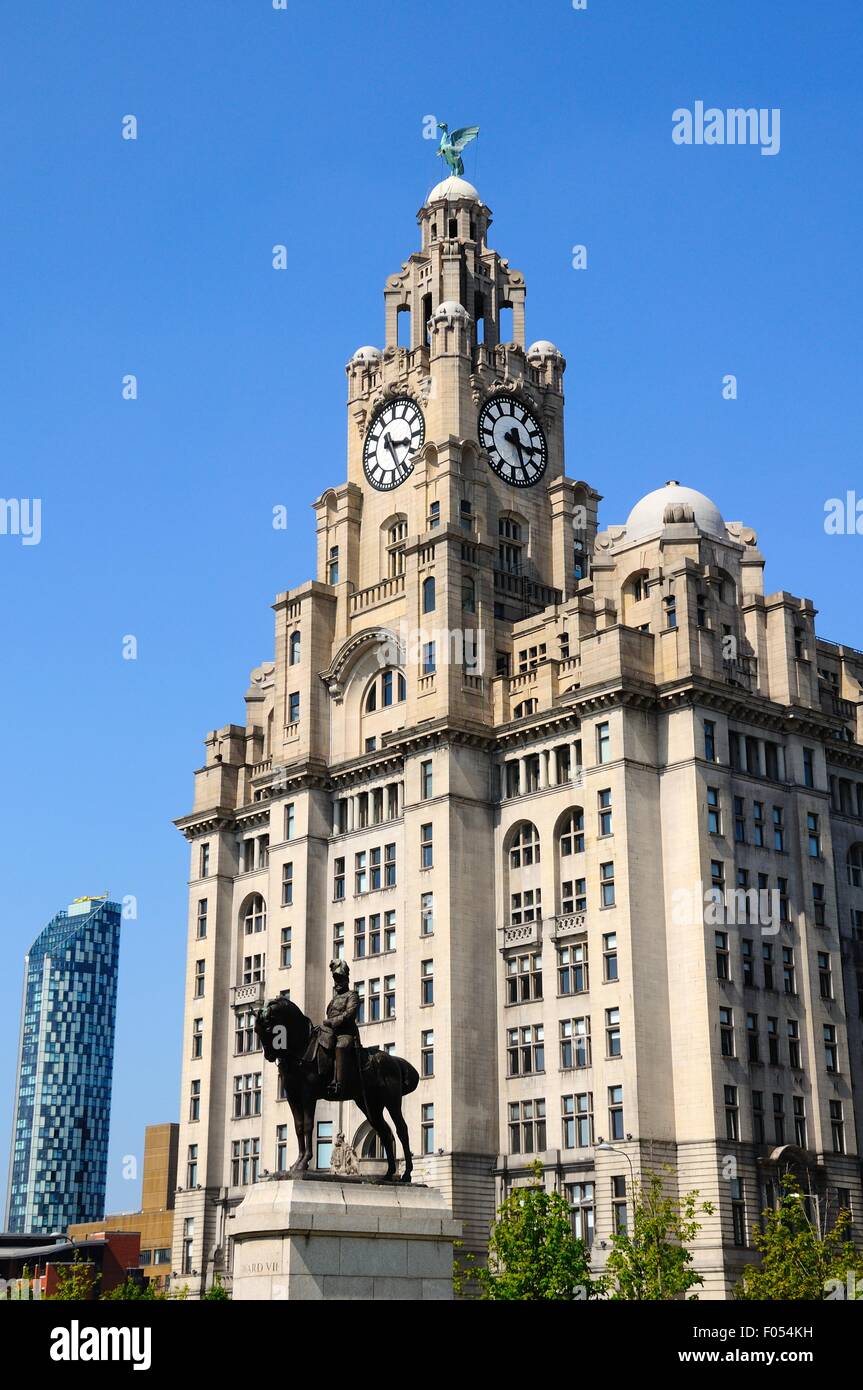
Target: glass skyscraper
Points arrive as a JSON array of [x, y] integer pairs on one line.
[[59, 1160]]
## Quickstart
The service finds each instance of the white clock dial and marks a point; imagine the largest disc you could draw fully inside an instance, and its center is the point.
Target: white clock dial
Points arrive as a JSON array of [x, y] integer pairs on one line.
[[513, 440], [396, 433]]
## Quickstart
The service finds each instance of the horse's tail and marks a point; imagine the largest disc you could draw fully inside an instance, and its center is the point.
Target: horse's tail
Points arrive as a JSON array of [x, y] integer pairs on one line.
[[410, 1077]]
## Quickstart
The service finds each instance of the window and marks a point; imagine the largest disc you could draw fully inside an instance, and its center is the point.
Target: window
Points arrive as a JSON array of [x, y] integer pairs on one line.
[[195, 1101], [375, 868], [813, 835], [825, 975], [714, 814], [389, 996], [359, 938], [831, 1049], [389, 866], [758, 822], [670, 606], [778, 1118], [710, 740], [426, 914], [245, 1037], [247, 1095], [201, 929], [615, 1113], [188, 1241], [722, 955], [799, 1108], [609, 956], [523, 979], [788, 971], [606, 884], [427, 1052], [510, 545], [573, 895], [245, 1158], [572, 977], [333, 565], [577, 1118], [732, 1113], [253, 969], [200, 975], [396, 538], [819, 905], [717, 878], [778, 829], [572, 833], [427, 982], [434, 512], [525, 1050], [338, 879], [465, 514], [204, 861], [746, 953], [767, 958], [428, 591], [468, 594], [758, 1117], [581, 1210], [294, 707], [603, 743], [294, 649], [837, 1126], [197, 1038], [618, 1205], [739, 820], [738, 1212], [427, 1129], [604, 800], [753, 1042], [281, 1148], [855, 866], [612, 1032], [361, 873], [285, 948], [428, 659], [773, 1041], [255, 915], [525, 907], [575, 1049], [426, 780], [525, 848], [287, 885], [808, 767], [290, 821], [373, 1011], [726, 1032], [426, 846]]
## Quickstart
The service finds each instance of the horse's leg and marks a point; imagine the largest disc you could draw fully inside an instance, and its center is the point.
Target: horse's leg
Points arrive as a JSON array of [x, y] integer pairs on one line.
[[296, 1104], [394, 1105], [385, 1134], [310, 1106]]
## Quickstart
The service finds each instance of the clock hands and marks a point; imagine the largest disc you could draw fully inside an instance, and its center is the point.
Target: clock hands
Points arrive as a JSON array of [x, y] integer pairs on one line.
[[391, 445], [513, 437]]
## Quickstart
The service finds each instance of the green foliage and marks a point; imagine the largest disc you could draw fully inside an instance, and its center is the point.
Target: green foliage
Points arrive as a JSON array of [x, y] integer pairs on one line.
[[75, 1281], [132, 1291], [217, 1290], [650, 1261], [532, 1253], [798, 1256]]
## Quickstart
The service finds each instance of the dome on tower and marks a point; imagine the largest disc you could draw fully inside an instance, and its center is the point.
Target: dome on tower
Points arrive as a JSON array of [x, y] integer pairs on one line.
[[451, 190], [542, 348], [367, 354], [673, 503], [448, 311]]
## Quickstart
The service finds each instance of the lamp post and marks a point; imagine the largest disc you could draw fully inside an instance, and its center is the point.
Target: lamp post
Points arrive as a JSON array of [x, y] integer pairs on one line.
[[606, 1147]]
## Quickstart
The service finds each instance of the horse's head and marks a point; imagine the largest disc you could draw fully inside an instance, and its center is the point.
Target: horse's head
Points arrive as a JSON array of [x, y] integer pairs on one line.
[[282, 1028]]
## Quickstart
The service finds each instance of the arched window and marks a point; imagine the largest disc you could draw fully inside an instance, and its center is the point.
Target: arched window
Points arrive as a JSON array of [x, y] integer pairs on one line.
[[855, 866], [389, 688], [372, 697], [254, 914], [526, 707], [510, 546], [429, 594], [294, 649], [572, 833], [468, 594], [524, 849]]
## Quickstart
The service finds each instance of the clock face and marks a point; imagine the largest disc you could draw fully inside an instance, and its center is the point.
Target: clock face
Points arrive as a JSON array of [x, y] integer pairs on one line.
[[396, 432], [513, 440]]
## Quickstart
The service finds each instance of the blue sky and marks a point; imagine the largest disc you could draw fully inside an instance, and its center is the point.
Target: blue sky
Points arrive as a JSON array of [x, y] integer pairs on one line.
[[153, 257]]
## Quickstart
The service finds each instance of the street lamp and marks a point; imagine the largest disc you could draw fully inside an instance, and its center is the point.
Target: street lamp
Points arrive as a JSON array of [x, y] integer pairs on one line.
[[604, 1145]]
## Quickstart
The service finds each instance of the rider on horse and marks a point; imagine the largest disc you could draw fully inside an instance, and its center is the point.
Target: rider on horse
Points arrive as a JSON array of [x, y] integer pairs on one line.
[[339, 1036]]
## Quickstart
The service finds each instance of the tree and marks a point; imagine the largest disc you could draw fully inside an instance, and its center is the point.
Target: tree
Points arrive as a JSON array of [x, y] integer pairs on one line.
[[217, 1290], [649, 1260], [75, 1281], [800, 1256], [532, 1252], [131, 1290]]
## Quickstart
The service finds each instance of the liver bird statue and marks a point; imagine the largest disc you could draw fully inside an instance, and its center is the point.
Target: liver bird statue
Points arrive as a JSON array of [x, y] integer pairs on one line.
[[451, 146]]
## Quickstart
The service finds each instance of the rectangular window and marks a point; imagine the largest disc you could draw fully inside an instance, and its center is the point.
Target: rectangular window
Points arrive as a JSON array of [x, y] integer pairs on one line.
[[778, 1118], [572, 977], [427, 1052], [426, 780], [200, 976], [333, 565], [290, 821], [831, 1048], [710, 740], [615, 1113], [767, 958], [573, 896], [287, 885], [758, 1117], [819, 905], [714, 814], [197, 1038], [574, 1039], [389, 996], [195, 1101], [612, 1033], [609, 956], [524, 979], [338, 941], [794, 1044], [202, 918], [427, 982], [722, 955], [758, 822], [285, 948], [361, 875], [773, 1041], [389, 866], [825, 975], [726, 1032], [813, 835], [788, 972], [427, 1145], [778, 828], [604, 800], [294, 707], [808, 767], [426, 914], [732, 1113], [204, 861], [338, 879], [753, 1041], [525, 1050], [606, 884], [577, 1118], [428, 659], [738, 1212], [837, 1126], [603, 743], [799, 1105], [619, 1215], [739, 820], [426, 846], [747, 955]]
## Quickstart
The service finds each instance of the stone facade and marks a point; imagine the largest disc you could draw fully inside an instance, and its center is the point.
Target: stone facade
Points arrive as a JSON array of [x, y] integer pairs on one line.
[[497, 760]]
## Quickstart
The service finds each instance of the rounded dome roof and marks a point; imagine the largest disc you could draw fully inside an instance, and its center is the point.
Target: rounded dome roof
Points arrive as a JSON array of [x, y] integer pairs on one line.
[[450, 309], [649, 515], [367, 353], [451, 189], [543, 348]]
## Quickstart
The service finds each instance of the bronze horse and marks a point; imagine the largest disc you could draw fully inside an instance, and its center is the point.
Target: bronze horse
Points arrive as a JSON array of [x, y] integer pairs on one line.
[[378, 1082]]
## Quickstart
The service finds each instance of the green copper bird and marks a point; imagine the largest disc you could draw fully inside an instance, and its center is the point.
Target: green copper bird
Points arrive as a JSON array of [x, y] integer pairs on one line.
[[451, 146]]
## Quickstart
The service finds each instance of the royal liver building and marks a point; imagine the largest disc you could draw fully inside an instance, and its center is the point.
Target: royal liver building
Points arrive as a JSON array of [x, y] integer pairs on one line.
[[583, 811]]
